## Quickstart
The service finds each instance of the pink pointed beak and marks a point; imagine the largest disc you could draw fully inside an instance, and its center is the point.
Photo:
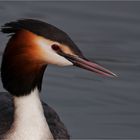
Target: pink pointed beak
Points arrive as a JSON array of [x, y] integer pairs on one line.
[[91, 66], [94, 67]]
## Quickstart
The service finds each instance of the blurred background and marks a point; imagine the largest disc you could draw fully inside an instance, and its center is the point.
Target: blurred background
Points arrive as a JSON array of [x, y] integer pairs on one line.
[[107, 32]]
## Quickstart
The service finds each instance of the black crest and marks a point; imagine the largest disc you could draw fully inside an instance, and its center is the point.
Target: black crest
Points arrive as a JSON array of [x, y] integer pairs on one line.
[[42, 29]]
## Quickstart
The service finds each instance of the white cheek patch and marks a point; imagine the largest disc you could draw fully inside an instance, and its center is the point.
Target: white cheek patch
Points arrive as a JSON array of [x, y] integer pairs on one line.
[[50, 56]]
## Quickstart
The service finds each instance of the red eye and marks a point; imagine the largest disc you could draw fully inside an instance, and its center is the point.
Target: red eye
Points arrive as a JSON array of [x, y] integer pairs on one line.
[[55, 47]]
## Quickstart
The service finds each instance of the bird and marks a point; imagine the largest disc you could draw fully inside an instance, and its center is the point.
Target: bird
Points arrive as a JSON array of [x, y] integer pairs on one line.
[[33, 45]]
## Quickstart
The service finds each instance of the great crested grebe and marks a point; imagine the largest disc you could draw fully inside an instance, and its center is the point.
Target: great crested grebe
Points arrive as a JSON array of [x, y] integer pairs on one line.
[[33, 45]]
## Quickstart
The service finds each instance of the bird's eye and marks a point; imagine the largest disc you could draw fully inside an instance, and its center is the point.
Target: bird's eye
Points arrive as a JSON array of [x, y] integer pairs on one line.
[[55, 47]]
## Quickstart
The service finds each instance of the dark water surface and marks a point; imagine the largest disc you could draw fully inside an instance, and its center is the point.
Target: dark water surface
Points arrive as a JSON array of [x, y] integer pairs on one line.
[[107, 32]]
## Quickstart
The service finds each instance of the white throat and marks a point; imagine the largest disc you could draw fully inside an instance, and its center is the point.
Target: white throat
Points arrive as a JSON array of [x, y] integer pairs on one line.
[[29, 120]]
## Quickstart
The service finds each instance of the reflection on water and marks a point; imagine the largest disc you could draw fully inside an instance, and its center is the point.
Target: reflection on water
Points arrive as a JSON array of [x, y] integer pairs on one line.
[[107, 32]]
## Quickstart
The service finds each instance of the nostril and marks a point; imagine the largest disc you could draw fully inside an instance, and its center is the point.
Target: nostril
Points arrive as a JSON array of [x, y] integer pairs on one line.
[[55, 47]]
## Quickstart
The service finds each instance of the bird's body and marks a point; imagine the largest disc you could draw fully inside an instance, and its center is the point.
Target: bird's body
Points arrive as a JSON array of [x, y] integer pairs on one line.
[[31, 124], [33, 45], [56, 126]]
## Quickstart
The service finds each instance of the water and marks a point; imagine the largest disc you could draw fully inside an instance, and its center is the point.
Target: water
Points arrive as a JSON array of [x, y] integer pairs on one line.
[[107, 32]]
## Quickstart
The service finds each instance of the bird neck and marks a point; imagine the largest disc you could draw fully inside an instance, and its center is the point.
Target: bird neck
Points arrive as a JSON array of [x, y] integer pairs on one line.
[[29, 120]]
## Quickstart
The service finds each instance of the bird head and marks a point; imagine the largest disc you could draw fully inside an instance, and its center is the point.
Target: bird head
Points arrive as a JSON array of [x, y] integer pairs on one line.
[[35, 44]]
